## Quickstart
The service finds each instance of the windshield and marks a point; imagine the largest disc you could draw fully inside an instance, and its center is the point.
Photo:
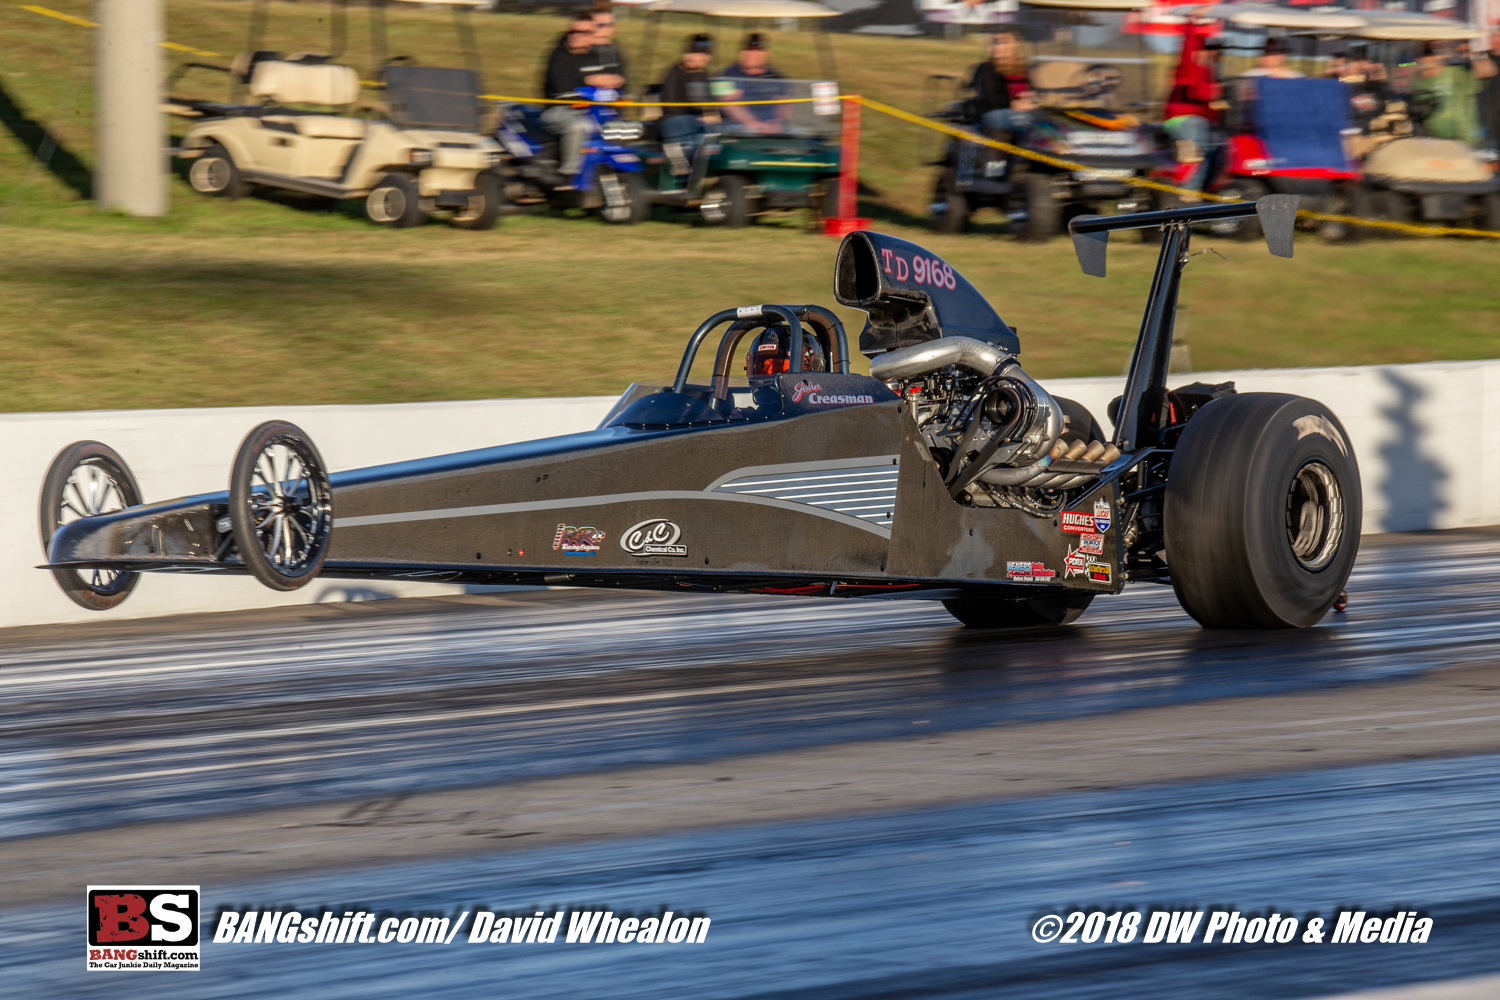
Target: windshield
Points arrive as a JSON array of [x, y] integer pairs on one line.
[[816, 112]]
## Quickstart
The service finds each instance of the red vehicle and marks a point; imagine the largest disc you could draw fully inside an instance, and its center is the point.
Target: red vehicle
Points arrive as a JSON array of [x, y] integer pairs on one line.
[[1286, 137]]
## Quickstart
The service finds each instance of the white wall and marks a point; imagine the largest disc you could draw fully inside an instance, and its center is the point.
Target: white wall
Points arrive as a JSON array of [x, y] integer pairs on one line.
[[1427, 437]]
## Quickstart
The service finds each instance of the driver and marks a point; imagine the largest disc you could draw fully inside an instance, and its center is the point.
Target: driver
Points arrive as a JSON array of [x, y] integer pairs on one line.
[[770, 353], [751, 77]]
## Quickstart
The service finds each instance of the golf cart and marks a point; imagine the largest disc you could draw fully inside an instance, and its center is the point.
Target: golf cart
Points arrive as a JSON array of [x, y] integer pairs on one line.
[[429, 155], [1286, 136], [760, 158], [1083, 116], [1410, 177]]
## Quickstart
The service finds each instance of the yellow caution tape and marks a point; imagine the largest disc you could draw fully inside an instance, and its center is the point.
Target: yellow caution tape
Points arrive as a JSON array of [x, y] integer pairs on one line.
[[894, 112], [46, 12], [1142, 182]]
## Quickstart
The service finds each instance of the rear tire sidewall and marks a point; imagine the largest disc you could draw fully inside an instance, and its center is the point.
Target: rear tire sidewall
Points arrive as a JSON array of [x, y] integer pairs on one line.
[[735, 200], [637, 207], [49, 518], [395, 201], [1225, 528], [241, 516]]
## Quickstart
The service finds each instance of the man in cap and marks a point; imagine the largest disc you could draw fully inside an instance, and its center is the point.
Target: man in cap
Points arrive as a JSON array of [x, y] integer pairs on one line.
[[686, 83], [753, 75]]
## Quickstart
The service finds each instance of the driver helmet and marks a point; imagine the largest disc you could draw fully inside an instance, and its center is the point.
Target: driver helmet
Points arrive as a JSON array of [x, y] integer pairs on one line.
[[771, 353]]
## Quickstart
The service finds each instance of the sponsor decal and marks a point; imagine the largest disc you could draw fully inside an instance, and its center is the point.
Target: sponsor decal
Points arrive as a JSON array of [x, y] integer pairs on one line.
[[1099, 572], [655, 536], [1102, 516], [1092, 544], [812, 392], [921, 270], [142, 928], [1028, 572], [577, 541], [1077, 522], [1076, 563]]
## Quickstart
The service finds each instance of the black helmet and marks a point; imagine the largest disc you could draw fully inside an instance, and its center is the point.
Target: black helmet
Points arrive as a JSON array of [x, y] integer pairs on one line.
[[771, 352]]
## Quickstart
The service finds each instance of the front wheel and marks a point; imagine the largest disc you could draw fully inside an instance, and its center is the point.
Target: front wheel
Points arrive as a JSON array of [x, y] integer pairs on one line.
[[484, 203], [87, 478], [1043, 215], [990, 612], [950, 208], [214, 173], [1263, 512], [727, 203], [1248, 227], [625, 199], [395, 202], [280, 506]]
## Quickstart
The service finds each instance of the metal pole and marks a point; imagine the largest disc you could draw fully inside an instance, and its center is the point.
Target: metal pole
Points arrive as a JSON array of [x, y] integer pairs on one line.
[[130, 138]]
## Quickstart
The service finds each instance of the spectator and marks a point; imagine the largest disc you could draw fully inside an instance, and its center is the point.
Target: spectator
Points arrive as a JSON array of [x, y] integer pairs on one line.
[[610, 58], [1195, 105], [1002, 92], [1272, 62], [572, 65], [754, 73], [1489, 97], [686, 82], [1452, 92]]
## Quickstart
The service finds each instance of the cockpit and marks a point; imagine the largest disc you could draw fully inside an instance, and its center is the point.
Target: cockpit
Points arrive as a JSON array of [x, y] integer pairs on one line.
[[772, 361]]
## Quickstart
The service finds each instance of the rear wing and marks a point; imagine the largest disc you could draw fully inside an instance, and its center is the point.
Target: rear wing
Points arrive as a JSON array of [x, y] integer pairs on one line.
[[1145, 413], [1278, 214]]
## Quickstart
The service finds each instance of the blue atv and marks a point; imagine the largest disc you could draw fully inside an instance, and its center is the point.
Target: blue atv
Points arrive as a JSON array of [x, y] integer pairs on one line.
[[609, 180]]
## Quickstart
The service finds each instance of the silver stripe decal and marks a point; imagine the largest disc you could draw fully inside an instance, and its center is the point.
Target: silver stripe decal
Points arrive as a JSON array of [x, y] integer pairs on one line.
[[865, 491], [516, 508], [827, 465]]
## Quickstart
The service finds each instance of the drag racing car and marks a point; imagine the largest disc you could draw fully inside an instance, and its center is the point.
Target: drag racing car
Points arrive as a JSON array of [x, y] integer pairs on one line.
[[948, 473]]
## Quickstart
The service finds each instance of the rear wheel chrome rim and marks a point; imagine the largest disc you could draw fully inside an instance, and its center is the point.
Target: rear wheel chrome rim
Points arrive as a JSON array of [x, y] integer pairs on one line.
[[289, 506], [1314, 515], [92, 489]]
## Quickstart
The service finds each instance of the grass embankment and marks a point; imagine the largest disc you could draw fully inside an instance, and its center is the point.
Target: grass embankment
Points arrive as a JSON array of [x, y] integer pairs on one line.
[[290, 300]]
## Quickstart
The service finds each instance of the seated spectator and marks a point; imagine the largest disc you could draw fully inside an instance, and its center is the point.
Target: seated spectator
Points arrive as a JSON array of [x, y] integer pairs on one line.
[[1195, 106], [1272, 62], [1451, 90], [752, 72], [686, 82], [609, 58], [1002, 101], [573, 65]]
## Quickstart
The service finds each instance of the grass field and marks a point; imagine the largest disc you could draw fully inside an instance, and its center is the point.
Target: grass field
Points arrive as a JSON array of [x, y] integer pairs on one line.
[[292, 300]]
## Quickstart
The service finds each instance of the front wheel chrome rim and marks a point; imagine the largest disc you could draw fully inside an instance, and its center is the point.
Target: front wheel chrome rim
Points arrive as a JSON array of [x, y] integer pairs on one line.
[[1314, 515], [92, 489], [289, 507]]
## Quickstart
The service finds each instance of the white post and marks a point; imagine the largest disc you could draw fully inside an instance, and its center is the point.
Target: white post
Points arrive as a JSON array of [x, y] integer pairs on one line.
[[130, 144]]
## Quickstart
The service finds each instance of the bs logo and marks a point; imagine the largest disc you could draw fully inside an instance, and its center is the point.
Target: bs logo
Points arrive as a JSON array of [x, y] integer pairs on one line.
[[143, 916]]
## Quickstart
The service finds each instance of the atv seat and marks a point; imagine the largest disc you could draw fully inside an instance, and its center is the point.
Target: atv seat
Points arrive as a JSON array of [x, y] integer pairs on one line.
[[1301, 122], [302, 83]]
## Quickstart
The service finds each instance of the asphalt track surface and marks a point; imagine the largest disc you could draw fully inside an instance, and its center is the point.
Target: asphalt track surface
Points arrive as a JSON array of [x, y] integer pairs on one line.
[[181, 721]]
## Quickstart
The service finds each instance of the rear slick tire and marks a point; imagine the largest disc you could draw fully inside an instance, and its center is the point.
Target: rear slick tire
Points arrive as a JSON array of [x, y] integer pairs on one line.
[[1262, 513], [991, 612]]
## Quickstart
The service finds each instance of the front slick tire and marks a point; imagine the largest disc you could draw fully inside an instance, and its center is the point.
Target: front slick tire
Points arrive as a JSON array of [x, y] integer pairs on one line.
[[990, 612], [86, 479], [280, 506], [1263, 512]]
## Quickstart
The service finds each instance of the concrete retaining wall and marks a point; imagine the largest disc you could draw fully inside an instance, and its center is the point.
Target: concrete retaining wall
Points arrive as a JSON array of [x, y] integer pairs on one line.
[[1427, 437]]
